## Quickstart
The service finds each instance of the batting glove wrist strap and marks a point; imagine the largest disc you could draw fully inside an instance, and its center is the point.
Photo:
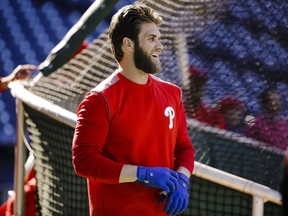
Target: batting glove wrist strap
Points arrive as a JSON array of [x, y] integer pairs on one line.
[[141, 174], [184, 181]]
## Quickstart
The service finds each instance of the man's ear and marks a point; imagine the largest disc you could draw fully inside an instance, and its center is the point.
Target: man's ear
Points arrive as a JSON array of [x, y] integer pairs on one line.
[[128, 43]]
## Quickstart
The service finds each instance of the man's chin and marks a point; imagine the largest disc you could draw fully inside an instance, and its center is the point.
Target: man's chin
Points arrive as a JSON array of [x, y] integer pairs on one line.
[[155, 71], [151, 70]]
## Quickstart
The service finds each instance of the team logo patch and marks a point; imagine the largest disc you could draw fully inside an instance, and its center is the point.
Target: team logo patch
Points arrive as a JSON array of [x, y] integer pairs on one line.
[[170, 113]]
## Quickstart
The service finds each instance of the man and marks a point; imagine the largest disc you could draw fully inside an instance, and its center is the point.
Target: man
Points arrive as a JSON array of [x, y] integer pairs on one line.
[[130, 140], [21, 72]]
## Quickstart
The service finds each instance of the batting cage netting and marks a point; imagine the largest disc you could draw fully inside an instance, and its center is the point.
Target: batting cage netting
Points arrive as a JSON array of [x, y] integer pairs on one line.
[[230, 58]]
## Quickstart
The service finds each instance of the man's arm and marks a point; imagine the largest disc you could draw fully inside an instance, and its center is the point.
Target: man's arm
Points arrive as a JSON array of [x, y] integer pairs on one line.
[[184, 171], [177, 201], [128, 174]]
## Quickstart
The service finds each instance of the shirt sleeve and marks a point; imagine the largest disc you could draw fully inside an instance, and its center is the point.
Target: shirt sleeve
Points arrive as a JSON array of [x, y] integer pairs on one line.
[[89, 139], [184, 151]]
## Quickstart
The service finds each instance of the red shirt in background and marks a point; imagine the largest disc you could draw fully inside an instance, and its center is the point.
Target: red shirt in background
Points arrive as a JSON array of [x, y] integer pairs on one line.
[[209, 116]]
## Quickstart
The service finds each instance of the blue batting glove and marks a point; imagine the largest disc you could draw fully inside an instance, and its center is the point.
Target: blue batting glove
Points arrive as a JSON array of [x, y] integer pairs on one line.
[[177, 200], [158, 177]]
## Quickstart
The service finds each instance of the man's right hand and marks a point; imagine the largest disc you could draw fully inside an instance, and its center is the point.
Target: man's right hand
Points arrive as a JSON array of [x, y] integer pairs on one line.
[[158, 177], [178, 200]]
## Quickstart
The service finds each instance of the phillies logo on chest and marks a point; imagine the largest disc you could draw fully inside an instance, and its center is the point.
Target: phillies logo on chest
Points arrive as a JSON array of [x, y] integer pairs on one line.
[[170, 113]]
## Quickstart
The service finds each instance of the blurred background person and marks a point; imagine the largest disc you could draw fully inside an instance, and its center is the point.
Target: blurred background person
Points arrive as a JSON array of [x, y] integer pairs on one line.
[[195, 107], [233, 111], [21, 72], [269, 125]]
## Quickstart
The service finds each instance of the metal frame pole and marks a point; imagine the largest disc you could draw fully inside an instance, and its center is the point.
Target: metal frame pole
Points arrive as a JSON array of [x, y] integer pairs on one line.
[[258, 206], [19, 171]]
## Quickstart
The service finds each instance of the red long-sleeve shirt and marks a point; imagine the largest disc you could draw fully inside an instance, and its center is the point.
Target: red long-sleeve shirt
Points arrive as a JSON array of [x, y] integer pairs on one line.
[[121, 122]]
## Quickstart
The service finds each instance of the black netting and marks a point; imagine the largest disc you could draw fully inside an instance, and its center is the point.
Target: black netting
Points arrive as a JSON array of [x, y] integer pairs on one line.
[[59, 190], [239, 156], [210, 199], [207, 198], [223, 54]]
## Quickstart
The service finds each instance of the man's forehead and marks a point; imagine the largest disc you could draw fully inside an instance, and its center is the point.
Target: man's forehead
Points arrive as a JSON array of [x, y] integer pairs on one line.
[[150, 29]]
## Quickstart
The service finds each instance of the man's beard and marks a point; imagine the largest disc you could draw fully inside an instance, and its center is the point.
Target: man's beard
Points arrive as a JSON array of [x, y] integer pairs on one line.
[[144, 62]]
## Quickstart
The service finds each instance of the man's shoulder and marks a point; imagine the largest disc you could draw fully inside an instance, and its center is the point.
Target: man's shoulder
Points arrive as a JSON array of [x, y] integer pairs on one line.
[[106, 83], [165, 83]]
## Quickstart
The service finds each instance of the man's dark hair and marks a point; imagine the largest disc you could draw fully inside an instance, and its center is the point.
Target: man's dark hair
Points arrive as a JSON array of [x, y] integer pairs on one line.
[[127, 23]]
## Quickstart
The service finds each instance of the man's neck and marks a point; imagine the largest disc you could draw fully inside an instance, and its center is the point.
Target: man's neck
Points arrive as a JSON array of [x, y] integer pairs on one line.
[[134, 75]]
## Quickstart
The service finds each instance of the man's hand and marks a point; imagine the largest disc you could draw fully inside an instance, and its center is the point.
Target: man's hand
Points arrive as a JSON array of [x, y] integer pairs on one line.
[[178, 200], [21, 72], [158, 177]]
